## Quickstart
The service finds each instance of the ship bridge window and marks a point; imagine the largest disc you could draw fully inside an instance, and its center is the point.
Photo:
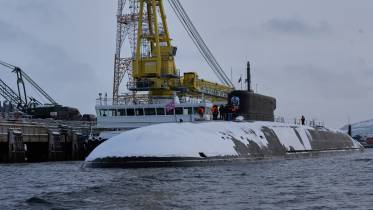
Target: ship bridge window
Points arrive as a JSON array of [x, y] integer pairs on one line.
[[113, 112], [149, 111], [179, 110], [130, 112], [107, 112], [122, 112], [185, 111], [139, 112], [104, 113], [160, 111], [170, 112]]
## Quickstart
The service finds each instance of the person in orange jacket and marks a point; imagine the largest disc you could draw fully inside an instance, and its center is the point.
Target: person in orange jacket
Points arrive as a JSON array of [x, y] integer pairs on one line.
[[215, 112], [201, 111]]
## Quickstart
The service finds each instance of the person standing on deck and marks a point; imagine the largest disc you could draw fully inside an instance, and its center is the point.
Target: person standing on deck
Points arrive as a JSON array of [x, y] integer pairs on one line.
[[303, 120], [221, 112], [215, 112]]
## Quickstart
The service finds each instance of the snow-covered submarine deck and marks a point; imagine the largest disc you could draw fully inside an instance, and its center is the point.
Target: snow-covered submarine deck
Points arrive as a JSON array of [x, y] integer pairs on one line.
[[190, 144]]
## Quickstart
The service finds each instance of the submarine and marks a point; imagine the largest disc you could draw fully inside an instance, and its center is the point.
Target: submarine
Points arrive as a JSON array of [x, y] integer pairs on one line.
[[212, 143], [253, 135]]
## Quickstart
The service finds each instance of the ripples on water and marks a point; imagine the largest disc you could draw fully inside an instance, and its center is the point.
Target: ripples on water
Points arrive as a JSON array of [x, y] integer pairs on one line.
[[333, 182]]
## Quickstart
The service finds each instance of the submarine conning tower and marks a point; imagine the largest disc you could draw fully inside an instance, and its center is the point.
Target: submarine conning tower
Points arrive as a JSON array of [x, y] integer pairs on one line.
[[251, 105]]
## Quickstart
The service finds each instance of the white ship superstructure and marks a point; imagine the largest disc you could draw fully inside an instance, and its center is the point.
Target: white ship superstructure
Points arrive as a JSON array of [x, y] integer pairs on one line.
[[135, 111]]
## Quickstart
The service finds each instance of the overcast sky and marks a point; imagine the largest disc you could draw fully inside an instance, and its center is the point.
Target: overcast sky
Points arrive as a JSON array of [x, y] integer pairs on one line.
[[314, 56]]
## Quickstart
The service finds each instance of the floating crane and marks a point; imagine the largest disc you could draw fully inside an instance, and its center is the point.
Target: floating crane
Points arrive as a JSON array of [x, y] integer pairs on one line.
[[29, 105], [21, 100], [151, 67]]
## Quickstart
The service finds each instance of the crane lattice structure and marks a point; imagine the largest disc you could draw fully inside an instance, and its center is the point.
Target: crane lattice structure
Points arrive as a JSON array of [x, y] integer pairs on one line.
[[126, 29], [22, 100], [143, 24], [8, 93]]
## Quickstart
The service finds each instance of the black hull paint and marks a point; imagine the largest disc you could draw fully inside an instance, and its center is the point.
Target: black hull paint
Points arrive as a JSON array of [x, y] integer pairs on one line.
[[159, 162]]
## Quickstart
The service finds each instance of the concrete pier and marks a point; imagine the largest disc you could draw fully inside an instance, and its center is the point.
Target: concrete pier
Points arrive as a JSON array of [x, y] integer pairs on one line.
[[43, 140], [16, 147]]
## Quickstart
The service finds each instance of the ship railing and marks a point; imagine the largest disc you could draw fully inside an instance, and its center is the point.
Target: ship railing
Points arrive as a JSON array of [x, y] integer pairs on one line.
[[124, 100], [144, 99], [297, 121]]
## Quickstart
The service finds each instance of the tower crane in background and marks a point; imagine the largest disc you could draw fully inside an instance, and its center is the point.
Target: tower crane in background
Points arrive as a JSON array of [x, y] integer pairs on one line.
[[151, 66]]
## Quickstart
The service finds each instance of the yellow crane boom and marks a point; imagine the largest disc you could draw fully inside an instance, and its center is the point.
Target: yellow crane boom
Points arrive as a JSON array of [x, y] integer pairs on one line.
[[196, 86], [153, 64]]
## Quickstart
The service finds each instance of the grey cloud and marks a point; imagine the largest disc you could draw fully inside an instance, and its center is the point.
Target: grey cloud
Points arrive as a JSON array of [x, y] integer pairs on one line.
[[328, 83], [51, 66], [42, 52], [296, 26], [8, 32], [42, 11]]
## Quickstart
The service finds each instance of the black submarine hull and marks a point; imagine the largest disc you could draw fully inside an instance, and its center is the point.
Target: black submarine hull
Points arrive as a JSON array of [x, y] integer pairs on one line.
[[158, 162]]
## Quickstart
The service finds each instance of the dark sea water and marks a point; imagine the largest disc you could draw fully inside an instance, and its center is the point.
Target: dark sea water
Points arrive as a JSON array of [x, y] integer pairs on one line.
[[328, 182]]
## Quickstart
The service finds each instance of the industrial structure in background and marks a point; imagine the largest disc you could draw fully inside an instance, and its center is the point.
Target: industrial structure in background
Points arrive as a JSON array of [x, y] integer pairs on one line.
[[21, 101], [157, 92], [144, 65], [32, 131], [150, 60]]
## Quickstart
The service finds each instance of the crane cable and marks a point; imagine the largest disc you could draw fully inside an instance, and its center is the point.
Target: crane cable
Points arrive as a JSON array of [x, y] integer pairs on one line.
[[33, 83], [193, 33], [199, 42], [10, 66], [9, 94]]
